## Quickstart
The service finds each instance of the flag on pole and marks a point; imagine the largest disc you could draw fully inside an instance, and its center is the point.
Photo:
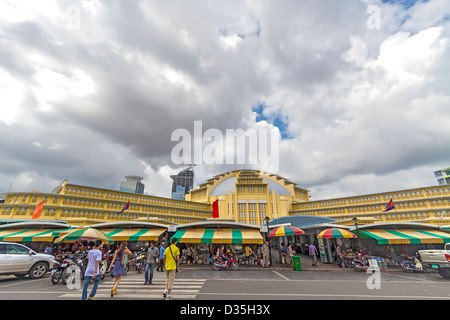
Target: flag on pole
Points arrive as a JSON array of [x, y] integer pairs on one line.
[[389, 206], [126, 207], [215, 206], [38, 210]]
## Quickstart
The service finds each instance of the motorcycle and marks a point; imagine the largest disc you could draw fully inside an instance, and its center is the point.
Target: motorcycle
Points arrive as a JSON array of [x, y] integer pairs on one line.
[[78, 266], [412, 264], [136, 261], [221, 264], [58, 269]]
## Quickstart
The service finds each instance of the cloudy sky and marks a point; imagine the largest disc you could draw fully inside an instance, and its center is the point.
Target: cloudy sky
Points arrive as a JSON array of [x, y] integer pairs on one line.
[[357, 90]]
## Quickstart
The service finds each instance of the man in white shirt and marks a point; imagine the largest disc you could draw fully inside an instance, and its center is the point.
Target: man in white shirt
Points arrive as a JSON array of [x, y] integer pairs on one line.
[[92, 270]]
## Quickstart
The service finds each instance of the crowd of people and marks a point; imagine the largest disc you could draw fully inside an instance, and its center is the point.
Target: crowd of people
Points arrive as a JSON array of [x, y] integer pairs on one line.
[[166, 259]]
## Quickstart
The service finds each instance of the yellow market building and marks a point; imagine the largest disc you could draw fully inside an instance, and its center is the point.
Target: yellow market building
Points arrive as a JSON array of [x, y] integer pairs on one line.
[[244, 196]]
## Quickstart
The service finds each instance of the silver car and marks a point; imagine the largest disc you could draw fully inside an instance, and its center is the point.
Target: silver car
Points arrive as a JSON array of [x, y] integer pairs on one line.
[[20, 260]]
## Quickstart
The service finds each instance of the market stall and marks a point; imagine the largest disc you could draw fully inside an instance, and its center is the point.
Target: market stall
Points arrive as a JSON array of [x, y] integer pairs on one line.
[[34, 234], [395, 241], [138, 234], [204, 239]]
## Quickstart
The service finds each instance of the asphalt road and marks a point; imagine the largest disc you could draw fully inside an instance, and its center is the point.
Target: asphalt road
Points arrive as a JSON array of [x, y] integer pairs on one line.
[[247, 285]]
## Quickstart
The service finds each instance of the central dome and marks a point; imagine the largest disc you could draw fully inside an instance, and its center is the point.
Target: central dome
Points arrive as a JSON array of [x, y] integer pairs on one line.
[[230, 185]]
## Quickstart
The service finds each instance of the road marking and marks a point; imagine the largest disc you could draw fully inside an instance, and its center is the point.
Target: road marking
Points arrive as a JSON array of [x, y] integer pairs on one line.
[[285, 278], [135, 289], [252, 294]]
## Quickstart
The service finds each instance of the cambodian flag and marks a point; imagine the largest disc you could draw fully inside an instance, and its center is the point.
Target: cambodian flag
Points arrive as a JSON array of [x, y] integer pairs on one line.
[[215, 209], [389, 206], [126, 207]]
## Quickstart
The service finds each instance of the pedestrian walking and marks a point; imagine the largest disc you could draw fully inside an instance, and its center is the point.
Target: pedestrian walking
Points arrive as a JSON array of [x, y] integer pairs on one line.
[[152, 255], [313, 253], [119, 262], [171, 260], [265, 253], [162, 249], [94, 258]]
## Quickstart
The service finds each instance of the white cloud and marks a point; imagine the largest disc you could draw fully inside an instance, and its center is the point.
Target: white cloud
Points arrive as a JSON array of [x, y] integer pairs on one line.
[[95, 89]]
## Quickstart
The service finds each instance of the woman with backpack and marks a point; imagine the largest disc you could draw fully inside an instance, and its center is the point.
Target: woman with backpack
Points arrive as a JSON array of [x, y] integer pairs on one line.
[[119, 261]]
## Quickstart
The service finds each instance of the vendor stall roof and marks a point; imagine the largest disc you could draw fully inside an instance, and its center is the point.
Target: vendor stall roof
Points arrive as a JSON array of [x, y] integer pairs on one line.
[[218, 235], [213, 223], [403, 236], [35, 224], [128, 225], [134, 234], [25, 235]]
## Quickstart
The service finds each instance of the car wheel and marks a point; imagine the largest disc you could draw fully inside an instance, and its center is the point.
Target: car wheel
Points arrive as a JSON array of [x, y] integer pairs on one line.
[[38, 270]]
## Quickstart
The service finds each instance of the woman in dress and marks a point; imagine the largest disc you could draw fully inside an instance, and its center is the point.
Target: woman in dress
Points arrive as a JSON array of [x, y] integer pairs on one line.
[[119, 269]]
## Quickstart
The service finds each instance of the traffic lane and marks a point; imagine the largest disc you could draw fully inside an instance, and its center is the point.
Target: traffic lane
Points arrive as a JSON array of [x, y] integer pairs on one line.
[[326, 285], [14, 288]]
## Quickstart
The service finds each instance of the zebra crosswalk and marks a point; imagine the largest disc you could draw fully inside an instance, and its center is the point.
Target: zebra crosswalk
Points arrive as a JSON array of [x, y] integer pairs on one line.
[[133, 288]]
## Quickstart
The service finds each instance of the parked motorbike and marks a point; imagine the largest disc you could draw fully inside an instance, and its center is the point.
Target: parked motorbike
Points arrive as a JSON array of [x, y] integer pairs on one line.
[[78, 262], [58, 269], [221, 264]]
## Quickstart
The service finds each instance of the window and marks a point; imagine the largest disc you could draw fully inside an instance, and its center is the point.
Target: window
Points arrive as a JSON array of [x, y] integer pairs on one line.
[[16, 249]]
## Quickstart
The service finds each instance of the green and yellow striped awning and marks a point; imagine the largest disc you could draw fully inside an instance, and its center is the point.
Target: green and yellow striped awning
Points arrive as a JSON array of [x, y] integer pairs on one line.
[[135, 234], [26, 235], [219, 235], [404, 236]]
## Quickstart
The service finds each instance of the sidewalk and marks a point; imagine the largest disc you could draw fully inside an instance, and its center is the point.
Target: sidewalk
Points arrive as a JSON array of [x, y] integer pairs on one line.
[[305, 262]]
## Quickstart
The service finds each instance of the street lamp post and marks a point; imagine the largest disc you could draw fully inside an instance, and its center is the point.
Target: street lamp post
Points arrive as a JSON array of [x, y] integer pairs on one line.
[[270, 253]]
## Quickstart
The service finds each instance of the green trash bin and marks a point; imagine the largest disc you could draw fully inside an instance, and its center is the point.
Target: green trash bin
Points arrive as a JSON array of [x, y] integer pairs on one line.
[[297, 265]]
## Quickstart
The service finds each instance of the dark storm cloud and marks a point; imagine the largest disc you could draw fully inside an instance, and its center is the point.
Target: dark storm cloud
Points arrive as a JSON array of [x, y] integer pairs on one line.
[[97, 88]]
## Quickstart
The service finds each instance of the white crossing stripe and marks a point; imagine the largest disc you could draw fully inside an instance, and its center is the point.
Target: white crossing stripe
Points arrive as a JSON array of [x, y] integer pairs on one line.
[[135, 289]]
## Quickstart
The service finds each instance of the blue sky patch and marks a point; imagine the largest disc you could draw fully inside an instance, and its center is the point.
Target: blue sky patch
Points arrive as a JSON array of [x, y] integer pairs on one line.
[[276, 119], [406, 3]]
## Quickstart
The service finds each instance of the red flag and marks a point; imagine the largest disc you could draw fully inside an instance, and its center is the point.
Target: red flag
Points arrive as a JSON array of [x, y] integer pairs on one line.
[[215, 209], [38, 210]]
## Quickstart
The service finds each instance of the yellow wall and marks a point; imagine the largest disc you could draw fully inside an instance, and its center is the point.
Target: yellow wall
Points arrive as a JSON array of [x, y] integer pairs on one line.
[[241, 204], [423, 205]]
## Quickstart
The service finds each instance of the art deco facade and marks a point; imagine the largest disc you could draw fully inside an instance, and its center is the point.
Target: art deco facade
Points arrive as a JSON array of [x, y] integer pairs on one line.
[[245, 196]]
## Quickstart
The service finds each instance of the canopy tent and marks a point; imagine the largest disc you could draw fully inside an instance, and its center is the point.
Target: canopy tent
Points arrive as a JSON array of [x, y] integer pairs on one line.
[[26, 235], [218, 235], [83, 234], [134, 234], [403, 236]]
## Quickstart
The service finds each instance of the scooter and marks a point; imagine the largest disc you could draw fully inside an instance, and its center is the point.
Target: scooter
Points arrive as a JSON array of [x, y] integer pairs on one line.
[[220, 264], [412, 264]]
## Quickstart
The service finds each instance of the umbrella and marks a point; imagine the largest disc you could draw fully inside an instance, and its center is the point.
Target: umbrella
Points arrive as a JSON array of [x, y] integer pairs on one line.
[[286, 231], [86, 234], [336, 233]]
